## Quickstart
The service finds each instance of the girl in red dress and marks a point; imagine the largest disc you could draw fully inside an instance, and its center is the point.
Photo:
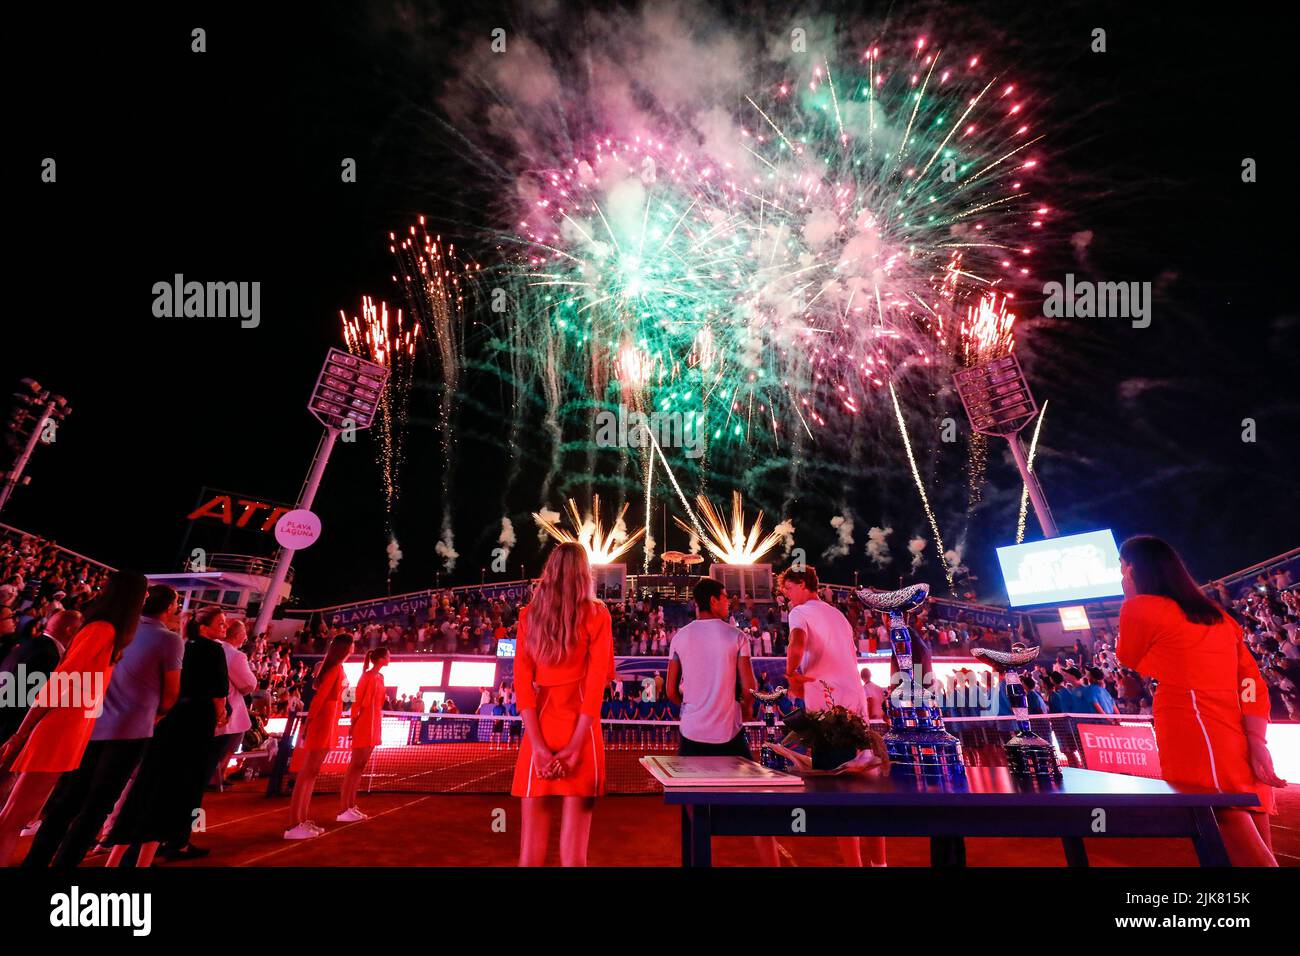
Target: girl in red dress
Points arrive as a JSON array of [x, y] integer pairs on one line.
[[563, 660], [320, 736], [1211, 705], [367, 725], [54, 734]]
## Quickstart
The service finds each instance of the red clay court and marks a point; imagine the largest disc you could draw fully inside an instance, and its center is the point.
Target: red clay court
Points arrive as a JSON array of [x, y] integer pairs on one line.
[[245, 827]]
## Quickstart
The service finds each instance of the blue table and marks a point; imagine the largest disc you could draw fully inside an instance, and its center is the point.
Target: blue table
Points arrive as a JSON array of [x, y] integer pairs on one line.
[[989, 802]]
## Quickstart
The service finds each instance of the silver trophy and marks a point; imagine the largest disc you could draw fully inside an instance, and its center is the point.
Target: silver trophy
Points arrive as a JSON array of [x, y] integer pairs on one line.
[[916, 741], [769, 757], [1028, 755]]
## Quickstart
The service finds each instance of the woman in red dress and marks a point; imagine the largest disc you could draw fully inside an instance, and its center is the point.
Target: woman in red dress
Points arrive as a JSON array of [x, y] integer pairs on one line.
[[367, 726], [320, 736], [563, 660], [54, 734], [1211, 705]]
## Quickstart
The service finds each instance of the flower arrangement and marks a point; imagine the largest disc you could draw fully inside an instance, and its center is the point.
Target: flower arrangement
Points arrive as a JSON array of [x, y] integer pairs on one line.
[[835, 736]]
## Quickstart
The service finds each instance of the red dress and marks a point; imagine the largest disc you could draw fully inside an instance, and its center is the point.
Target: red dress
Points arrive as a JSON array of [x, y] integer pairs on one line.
[[560, 693], [323, 718], [368, 710], [74, 702], [1208, 682]]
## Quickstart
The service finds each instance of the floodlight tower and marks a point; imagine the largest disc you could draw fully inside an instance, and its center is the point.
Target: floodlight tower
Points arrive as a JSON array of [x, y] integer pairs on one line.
[[998, 402], [36, 409], [346, 398]]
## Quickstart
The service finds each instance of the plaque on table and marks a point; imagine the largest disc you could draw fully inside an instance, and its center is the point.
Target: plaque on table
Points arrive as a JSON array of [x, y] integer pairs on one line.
[[713, 772]]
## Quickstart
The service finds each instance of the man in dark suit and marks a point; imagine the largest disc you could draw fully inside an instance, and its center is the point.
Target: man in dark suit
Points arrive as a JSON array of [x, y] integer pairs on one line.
[[33, 658]]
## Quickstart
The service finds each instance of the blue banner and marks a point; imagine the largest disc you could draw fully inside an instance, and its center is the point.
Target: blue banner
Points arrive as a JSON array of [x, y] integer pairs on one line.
[[457, 730], [385, 609], [983, 617]]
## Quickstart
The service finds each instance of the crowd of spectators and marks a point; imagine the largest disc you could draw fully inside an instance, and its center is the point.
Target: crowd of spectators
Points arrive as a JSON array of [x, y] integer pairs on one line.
[[38, 579], [471, 621], [1268, 609]]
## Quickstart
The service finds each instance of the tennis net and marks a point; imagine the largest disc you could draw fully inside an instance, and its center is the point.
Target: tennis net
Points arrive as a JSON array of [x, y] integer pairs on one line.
[[468, 753]]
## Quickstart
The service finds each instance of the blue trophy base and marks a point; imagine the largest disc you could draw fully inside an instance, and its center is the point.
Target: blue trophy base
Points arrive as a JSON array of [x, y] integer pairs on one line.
[[925, 753], [1029, 755]]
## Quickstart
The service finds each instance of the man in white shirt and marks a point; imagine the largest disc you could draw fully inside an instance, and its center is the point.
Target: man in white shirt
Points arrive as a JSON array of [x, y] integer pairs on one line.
[[242, 682], [709, 676], [821, 663], [875, 696], [822, 650]]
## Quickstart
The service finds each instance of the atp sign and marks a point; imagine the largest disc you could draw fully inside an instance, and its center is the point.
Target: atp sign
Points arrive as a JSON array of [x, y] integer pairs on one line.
[[236, 512]]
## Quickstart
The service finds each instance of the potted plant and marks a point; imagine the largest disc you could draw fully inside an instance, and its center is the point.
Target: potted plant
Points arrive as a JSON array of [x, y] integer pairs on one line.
[[833, 736]]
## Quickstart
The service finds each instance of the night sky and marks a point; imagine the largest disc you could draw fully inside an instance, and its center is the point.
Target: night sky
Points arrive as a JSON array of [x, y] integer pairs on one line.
[[225, 166]]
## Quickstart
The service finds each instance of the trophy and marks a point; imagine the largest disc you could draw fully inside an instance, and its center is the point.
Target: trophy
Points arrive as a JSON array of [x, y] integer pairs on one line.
[[1028, 755], [769, 757], [916, 741]]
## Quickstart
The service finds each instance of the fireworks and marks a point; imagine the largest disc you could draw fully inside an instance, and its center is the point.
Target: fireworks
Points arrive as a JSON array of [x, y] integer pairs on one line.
[[602, 547], [386, 338], [435, 283], [788, 250], [786, 275], [985, 335], [987, 332], [733, 544], [1024, 490]]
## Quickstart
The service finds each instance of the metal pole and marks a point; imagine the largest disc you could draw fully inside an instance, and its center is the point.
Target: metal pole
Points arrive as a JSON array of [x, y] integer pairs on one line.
[[1036, 496], [305, 499], [11, 482]]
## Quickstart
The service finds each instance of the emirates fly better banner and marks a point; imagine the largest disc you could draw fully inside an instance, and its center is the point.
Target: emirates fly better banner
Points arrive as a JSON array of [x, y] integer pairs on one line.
[[1120, 749]]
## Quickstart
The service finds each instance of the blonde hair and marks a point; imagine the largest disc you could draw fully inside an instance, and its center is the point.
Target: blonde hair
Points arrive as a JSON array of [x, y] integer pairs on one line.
[[556, 609]]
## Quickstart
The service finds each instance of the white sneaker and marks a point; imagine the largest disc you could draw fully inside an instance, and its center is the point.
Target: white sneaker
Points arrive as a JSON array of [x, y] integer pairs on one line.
[[350, 815], [312, 825], [31, 828], [303, 831]]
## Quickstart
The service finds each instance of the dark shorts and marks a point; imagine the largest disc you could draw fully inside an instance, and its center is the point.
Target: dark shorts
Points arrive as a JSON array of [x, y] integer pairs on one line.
[[737, 746]]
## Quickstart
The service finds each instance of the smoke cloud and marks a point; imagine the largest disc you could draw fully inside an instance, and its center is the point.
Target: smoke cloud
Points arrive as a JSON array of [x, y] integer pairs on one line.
[[878, 546], [843, 525]]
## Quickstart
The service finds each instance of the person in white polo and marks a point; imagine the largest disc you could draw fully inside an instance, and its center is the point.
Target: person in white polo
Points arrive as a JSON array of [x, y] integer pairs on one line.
[[709, 676], [823, 659]]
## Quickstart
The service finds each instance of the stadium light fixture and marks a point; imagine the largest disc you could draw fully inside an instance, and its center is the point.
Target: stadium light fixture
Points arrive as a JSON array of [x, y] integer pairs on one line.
[[998, 401]]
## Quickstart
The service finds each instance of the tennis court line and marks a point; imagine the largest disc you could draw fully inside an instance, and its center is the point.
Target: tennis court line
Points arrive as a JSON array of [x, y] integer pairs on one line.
[[295, 844]]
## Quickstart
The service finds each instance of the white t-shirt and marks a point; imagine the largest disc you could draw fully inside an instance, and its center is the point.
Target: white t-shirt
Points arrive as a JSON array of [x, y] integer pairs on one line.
[[707, 651], [876, 694], [242, 681], [830, 655]]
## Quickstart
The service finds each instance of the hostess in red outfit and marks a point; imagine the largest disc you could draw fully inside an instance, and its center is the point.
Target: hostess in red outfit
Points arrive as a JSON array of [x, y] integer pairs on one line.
[[560, 693], [1208, 681], [74, 695], [323, 718], [368, 710]]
